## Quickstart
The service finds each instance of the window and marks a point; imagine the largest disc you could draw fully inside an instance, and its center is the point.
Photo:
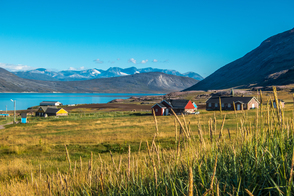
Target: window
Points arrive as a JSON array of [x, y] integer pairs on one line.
[[156, 110], [222, 105], [228, 105], [209, 104], [253, 105], [216, 105]]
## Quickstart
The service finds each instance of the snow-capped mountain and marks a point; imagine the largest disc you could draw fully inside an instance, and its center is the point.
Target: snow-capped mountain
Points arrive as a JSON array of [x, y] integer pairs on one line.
[[74, 75]]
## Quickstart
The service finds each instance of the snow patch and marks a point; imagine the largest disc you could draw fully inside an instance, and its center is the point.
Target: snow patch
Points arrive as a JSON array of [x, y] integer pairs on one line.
[[77, 76], [123, 74], [95, 72]]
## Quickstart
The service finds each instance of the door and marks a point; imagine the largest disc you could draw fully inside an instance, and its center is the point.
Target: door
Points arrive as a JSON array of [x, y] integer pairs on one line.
[[238, 106]]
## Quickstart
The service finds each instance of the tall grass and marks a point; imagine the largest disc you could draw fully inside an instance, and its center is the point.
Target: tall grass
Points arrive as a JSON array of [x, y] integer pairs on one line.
[[255, 159]]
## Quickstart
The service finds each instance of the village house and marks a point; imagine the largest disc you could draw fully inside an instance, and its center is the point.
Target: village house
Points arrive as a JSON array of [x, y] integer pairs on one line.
[[229, 103], [178, 106], [281, 102], [50, 103], [51, 111]]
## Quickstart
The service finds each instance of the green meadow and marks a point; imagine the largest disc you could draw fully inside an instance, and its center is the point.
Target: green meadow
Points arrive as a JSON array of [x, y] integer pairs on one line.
[[135, 153]]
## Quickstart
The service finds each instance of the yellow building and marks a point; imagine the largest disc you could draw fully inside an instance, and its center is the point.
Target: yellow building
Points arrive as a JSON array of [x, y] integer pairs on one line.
[[51, 111]]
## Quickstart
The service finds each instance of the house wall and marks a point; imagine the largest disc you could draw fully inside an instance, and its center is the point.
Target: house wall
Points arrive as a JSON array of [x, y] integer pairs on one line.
[[61, 112], [245, 106], [252, 101], [178, 111], [282, 104], [158, 110]]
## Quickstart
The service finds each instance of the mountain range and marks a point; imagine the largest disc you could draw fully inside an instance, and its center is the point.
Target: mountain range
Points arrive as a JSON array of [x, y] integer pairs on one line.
[[75, 75], [271, 63], [153, 82]]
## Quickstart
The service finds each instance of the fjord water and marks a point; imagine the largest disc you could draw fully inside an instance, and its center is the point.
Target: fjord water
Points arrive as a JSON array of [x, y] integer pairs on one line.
[[25, 100]]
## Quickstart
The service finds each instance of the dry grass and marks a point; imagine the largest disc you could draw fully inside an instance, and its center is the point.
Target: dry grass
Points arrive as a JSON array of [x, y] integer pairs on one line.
[[193, 160]]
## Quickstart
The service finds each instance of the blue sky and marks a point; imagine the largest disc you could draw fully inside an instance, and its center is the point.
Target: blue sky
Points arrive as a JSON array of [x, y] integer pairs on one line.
[[199, 36]]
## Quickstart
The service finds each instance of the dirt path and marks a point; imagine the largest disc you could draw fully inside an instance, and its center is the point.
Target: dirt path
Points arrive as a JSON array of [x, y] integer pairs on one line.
[[3, 126]]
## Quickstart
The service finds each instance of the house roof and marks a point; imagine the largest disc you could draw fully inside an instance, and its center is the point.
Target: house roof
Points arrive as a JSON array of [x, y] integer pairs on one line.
[[49, 102], [159, 104], [230, 99], [44, 108], [52, 110], [178, 103]]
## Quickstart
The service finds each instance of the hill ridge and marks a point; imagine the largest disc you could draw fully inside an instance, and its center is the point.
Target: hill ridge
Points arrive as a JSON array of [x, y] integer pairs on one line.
[[272, 56]]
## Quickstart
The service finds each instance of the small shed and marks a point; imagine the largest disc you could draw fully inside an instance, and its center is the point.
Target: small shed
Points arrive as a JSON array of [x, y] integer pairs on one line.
[[281, 102], [23, 117], [50, 103], [160, 109]]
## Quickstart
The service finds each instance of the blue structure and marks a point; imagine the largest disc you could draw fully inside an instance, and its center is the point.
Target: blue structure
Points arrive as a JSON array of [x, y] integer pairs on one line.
[[24, 117], [24, 120], [195, 105]]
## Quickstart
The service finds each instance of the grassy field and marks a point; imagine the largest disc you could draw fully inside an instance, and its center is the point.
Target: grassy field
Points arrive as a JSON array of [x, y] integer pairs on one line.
[[113, 153]]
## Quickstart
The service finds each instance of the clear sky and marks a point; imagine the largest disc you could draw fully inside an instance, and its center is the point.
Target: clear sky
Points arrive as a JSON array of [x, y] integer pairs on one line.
[[196, 35]]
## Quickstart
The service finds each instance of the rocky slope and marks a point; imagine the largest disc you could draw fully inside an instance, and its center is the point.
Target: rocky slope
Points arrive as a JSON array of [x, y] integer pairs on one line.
[[272, 63], [138, 83]]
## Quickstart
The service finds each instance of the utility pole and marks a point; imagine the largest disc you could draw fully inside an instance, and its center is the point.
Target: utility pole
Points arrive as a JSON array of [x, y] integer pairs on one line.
[[14, 113]]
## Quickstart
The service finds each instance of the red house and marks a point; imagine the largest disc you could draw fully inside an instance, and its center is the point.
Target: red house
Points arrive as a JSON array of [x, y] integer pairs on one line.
[[178, 105]]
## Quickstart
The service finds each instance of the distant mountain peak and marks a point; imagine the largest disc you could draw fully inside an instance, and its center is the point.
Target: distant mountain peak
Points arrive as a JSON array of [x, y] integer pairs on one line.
[[73, 75], [139, 83]]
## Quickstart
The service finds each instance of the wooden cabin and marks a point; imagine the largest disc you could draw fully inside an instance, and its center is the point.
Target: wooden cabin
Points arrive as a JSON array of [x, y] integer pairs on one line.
[[227, 103]]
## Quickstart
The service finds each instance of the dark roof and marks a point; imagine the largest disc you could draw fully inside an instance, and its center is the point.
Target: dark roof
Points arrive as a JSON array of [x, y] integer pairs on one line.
[[178, 103], [160, 104], [49, 102], [230, 99], [44, 108], [52, 110]]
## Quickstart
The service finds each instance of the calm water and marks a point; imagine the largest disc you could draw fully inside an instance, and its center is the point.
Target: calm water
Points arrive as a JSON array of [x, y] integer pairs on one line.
[[25, 100]]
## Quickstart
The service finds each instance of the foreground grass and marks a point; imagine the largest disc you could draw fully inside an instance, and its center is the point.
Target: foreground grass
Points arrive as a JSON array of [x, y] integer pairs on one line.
[[251, 154]]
